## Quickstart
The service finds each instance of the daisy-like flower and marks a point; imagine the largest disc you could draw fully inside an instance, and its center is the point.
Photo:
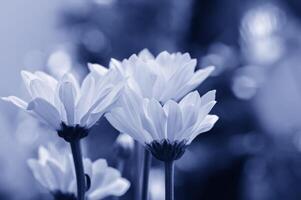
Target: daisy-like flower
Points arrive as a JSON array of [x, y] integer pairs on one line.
[[54, 170], [64, 105], [69, 108], [165, 130], [167, 76]]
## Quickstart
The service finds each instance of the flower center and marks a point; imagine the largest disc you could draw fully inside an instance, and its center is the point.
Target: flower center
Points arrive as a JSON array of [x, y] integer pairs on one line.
[[71, 133], [165, 150]]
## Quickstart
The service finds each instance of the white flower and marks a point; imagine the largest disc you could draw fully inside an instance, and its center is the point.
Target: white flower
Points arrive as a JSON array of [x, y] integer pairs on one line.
[[54, 170], [124, 146], [167, 76], [63, 101], [146, 120], [125, 141]]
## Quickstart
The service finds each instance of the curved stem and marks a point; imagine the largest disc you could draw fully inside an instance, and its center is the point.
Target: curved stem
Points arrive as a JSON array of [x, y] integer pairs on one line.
[[169, 180], [146, 168], [79, 169]]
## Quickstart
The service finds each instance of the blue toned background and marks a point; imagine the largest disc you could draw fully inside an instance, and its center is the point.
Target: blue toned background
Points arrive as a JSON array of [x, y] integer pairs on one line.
[[253, 152]]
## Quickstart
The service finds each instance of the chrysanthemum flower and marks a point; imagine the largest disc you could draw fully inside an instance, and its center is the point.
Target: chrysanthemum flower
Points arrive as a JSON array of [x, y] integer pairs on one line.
[[65, 106], [54, 170], [166, 129], [167, 76]]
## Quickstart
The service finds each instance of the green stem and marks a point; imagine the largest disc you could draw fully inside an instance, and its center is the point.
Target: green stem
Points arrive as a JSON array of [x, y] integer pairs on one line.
[[145, 176], [169, 180], [79, 169]]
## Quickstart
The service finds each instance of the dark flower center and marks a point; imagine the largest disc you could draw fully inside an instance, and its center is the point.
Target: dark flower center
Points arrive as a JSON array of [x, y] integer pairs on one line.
[[71, 133], [165, 150]]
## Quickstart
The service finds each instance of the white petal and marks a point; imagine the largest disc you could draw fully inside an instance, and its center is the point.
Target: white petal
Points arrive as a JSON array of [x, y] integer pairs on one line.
[[106, 181], [57, 174], [68, 77], [178, 79], [87, 96], [205, 126], [43, 174], [174, 120], [99, 165], [40, 89], [16, 101], [209, 96], [103, 104], [118, 188], [189, 115], [149, 126], [193, 98], [201, 74], [205, 109], [116, 65], [37, 171], [43, 155], [198, 77], [67, 96], [120, 122], [158, 117], [46, 111], [27, 78], [47, 79], [145, 54], [99, 69]]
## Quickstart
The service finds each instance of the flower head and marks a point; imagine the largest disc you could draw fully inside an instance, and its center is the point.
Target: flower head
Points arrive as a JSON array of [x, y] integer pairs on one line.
[[163, 126], [64, 103], [124, 145], [54, 170], [167, 76]]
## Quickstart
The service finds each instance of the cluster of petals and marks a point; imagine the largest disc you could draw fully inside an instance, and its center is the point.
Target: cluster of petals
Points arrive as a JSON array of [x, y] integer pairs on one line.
[[54, 170], [55, 101], [164, 77], [146, 120]]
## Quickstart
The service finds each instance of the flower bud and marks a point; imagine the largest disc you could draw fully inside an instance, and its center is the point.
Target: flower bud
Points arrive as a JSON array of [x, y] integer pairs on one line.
[[124, 145]]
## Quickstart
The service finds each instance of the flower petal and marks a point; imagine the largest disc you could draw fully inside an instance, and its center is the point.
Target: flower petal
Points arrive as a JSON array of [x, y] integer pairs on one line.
[[198, 77], [118, 188], [52, 82], [205, 126], [67, 96], [158, 117], [145, 55], [16, 101], [27, 78], [46, 111], [174, 120], [86, 99], [99, 69]]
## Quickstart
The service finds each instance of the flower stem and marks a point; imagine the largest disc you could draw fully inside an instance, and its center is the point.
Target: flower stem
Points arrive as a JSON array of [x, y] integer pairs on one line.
[[79, 168], [169, 180], [137, 169], [145, 175]]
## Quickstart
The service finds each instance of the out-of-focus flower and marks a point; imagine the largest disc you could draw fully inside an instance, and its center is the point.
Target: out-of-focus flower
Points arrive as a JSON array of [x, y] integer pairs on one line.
[[170, 127], [260, 32], [167, 76], [65, 106], [124, 145], [59, 63], [54, 170]]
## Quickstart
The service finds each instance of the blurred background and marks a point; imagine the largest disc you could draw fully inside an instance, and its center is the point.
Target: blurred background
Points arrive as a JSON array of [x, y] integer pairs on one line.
[[253, 152]]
